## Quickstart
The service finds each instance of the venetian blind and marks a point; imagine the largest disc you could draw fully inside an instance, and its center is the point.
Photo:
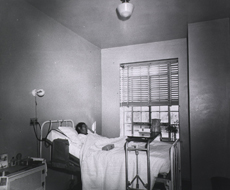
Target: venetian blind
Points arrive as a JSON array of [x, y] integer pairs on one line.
[[149, 83]]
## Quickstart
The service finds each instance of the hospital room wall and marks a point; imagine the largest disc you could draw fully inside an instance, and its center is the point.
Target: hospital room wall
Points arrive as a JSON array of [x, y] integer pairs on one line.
[[209, 81], [38, 52], [111, 59]]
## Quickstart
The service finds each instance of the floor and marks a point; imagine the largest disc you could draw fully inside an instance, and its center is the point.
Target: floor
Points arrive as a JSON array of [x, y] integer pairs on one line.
[[185, 186]]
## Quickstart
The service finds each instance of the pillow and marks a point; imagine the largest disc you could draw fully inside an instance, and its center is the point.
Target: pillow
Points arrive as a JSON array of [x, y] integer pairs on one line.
[[71, 133], [54, 134], [90, 132], [157, 138]]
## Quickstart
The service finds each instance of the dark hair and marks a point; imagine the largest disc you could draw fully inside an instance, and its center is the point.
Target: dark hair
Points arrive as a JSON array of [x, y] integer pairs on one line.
[[79, 126]]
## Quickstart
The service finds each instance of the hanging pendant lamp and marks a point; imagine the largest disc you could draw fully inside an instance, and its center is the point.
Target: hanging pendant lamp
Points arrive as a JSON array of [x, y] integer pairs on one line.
[[125, 9]]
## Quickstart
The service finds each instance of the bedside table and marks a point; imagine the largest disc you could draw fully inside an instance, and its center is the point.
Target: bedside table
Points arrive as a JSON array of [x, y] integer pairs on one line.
[[23, 177], [146, 148]]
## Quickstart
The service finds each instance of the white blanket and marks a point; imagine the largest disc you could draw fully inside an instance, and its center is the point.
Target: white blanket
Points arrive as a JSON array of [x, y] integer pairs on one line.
[[105, 170]]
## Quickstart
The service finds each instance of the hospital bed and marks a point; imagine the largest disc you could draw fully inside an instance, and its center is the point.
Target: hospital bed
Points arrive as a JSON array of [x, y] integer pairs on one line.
[[106, 169], [55, 145]]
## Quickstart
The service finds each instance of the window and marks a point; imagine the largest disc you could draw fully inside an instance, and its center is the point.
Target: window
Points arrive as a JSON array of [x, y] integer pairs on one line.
[[149, 90]]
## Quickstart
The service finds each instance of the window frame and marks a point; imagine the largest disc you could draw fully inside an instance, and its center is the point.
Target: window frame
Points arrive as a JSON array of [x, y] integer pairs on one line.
[[172, 91]]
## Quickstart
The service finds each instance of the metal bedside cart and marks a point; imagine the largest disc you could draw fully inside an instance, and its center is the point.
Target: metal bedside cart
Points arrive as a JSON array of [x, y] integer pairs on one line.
[[146, 140]]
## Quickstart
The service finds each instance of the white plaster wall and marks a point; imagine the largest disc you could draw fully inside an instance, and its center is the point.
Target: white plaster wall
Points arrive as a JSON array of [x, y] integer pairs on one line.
[[111, 59]]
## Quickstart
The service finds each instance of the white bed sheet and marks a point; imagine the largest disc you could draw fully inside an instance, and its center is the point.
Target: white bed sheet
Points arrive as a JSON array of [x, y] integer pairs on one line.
[[105, 170]]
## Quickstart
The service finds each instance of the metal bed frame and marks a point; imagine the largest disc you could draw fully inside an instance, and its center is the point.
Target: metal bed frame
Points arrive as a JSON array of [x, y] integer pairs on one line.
[[173, 180], [67, 122], [73, 167]]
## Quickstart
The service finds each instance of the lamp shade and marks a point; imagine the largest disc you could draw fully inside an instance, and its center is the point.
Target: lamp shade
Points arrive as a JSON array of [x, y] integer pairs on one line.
[[125, 9], [39, 93]]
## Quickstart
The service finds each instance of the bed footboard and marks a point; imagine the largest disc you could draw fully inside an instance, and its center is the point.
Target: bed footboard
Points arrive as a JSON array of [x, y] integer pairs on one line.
[[172, 181]]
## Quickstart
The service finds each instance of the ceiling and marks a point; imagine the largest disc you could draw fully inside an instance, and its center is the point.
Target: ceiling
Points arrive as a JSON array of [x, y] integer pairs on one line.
[[152, 20]]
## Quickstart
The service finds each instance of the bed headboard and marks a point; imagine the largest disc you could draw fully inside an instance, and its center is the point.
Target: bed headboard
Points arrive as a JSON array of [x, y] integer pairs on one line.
[[52, 124]]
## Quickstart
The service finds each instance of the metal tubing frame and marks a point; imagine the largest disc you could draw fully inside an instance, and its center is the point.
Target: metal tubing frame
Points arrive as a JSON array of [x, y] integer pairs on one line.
[[60, 122], [148, 185], [175, 165], [148, 165], [137, 172], [126, 163], [174, 183]]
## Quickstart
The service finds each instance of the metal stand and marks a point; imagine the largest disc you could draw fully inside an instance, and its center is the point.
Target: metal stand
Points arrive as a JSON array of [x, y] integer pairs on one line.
[[137, 178]]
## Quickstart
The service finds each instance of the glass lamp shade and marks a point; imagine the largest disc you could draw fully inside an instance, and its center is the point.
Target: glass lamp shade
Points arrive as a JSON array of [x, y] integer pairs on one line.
[[39, 93], [125, 9]]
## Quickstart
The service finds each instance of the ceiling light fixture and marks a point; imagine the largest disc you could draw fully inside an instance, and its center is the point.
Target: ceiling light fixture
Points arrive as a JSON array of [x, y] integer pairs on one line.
[[125, 9]]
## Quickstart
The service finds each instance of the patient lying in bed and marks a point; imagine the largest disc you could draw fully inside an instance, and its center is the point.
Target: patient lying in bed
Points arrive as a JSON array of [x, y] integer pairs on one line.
[[105, 170], [82, 128]]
